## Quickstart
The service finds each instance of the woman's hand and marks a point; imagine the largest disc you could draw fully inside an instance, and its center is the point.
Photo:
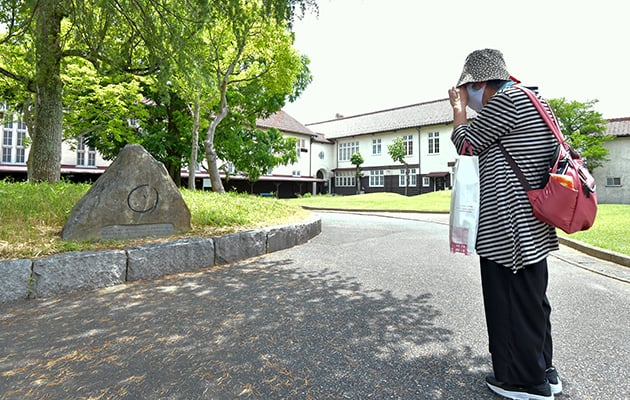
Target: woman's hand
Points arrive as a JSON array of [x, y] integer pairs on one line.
[[458, 98]]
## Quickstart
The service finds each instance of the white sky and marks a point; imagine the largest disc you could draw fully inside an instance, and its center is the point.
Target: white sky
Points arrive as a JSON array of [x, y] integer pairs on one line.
[[371, 55]]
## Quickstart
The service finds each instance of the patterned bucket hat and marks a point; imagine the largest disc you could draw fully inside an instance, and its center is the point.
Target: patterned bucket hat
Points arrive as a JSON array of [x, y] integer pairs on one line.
[[484, 65]]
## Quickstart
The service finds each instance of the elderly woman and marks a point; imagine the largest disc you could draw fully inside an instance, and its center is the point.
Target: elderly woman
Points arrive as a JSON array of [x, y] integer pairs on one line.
[[511, 243]]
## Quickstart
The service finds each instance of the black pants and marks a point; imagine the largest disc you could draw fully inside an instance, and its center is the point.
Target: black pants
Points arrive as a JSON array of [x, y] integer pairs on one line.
[[517, 316]]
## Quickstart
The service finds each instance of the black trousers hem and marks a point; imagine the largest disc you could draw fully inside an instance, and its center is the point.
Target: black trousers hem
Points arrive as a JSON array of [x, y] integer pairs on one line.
[[518, 321]]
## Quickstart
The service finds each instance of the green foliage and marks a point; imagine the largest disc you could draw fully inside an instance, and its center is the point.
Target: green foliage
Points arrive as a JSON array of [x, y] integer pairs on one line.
[[99, 108], [255, 151], [141, 37], [583, 128], [397, 150], [356, 159]]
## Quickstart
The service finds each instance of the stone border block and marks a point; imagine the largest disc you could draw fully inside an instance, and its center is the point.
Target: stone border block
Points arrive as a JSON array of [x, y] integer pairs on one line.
[[285, 236], [81, 270], [15, 280], [85, 270], [308, 229], [239, 246], [157, 259]]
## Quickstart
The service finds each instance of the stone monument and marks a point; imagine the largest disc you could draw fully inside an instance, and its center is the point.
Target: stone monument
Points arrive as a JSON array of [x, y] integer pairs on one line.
[[134, 198]]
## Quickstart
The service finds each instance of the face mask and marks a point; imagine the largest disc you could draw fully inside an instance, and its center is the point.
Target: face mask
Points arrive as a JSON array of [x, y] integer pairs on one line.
[[475, 97]]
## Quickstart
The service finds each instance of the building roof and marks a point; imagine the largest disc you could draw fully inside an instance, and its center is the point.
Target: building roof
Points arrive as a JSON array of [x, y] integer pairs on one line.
[[618, 126], [285, 123], [413, 116]]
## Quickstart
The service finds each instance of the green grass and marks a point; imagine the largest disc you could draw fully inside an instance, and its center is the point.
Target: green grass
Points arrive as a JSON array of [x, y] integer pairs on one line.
[[435, 201], [610, 231], [32, 216]]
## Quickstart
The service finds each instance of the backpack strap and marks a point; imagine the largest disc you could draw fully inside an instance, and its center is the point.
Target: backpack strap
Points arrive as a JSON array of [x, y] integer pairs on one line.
[[551, 122], [515, 167]]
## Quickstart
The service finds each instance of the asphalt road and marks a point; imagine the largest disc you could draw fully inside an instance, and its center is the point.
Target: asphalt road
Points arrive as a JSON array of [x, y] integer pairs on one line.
[[373, 308]]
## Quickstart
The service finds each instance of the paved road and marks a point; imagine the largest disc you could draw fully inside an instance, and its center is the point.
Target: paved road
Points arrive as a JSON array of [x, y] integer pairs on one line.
[[372, 308]]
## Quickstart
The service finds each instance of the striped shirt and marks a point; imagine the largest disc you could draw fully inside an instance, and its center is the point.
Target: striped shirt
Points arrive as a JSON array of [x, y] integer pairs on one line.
[[508, 232]]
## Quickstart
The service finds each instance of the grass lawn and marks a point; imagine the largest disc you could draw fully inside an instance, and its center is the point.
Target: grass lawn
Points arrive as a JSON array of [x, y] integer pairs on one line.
[[610, 231], [32, 215], [436, 202]]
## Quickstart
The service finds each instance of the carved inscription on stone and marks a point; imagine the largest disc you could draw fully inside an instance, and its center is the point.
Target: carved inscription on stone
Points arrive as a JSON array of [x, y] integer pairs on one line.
[[143, 199], [136, 231]]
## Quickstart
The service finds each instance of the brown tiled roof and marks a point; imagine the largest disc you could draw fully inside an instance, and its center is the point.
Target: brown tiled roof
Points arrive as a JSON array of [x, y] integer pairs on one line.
[[618, 126], [285, 123], [413, 116]]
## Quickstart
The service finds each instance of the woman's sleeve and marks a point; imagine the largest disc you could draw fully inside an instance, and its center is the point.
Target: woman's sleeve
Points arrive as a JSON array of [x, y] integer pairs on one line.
[[496, 119]]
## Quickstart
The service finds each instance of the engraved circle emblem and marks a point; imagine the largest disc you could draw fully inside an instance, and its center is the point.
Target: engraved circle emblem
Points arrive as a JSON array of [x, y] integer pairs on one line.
[[143, 199]]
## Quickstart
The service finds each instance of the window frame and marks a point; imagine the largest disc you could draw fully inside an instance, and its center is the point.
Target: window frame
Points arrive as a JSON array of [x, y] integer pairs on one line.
[[413, 178], [434, 142], [345, 179], [613, 181], [377, 147], [377, 178]]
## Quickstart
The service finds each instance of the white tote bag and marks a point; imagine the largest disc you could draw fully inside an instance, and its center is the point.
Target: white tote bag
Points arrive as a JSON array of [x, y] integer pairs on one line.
[[464, 215]]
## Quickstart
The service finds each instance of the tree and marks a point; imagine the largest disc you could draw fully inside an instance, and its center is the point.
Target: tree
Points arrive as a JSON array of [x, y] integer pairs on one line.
[[357, 159], [583, 128], [133, 36], [102, 110], [256, 70], [397, 151], [105, 33]]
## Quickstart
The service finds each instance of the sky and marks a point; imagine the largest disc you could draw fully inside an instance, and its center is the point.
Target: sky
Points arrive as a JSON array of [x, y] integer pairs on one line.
[[372, 55]]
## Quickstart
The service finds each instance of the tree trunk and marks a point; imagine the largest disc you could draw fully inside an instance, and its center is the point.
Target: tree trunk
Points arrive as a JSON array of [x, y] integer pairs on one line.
[[211, 154], [175, 172], [44, 163], [406, 178], [192, 167]]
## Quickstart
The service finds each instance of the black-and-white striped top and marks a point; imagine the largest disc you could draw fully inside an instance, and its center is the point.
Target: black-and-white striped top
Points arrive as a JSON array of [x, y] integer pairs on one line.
[[508, 232]]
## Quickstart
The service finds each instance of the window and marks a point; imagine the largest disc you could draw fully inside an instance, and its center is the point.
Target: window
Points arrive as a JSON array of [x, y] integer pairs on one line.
[[377, 178], [376, 146], [412, 177], [613, 181], [434, 142], [346, 150], [426, 181], [408, 143], [300, 147], [13, 135], [86, 155], [345, 178]]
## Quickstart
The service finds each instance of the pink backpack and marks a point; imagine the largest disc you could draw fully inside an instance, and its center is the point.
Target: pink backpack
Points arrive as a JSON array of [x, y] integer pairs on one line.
[[568, 200]]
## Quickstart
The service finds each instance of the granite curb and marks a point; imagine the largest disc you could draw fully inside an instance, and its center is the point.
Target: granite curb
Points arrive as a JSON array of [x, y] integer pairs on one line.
[[87, 270]]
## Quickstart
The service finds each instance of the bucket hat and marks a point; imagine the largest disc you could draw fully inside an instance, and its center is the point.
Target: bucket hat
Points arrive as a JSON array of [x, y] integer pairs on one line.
[[484, 65]]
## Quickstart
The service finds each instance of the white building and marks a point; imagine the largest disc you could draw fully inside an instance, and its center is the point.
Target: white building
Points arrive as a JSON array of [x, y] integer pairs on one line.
[[613, 175], [324, 150], [425, 129]]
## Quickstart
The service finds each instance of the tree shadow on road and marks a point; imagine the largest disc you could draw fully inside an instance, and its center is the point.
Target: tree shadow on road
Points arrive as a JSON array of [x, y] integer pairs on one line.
[[256, 329]]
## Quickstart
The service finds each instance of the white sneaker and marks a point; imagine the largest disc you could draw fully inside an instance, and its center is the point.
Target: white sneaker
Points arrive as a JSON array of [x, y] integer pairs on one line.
[[554, 382]]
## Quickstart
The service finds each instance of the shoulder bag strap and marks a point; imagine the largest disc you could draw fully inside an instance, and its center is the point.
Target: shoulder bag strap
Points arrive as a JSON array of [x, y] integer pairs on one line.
[[551, 122]]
